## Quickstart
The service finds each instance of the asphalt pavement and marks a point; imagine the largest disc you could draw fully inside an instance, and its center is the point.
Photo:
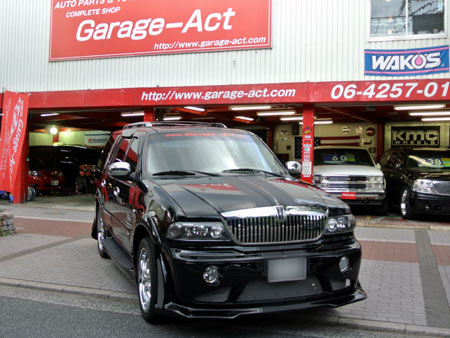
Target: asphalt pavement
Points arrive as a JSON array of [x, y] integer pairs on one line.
[[405, 268]]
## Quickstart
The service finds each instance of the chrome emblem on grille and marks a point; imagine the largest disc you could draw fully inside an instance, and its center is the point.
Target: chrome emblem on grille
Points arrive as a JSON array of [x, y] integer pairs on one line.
[[281, 214]]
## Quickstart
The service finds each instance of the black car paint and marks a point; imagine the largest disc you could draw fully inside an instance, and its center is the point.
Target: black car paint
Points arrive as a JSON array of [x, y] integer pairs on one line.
[[141, 206], [402, 177]]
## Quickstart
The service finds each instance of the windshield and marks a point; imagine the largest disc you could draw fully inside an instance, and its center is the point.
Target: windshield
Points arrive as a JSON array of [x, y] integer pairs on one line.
[[429, 160], [342, 156], [209, 152]]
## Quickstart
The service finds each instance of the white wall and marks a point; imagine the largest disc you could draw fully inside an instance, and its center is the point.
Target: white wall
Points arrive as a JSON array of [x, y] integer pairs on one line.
[[284, 139], [313, 40]]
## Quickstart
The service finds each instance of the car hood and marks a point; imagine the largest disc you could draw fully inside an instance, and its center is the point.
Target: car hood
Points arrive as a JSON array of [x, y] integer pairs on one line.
[[210, 196], [440, 176], [331, 170]]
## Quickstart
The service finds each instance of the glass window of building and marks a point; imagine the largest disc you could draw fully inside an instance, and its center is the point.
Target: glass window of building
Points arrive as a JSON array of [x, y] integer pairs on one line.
[[406, 18]]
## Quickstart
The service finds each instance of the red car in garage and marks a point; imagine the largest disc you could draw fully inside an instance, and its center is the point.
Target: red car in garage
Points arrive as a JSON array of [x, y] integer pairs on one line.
[[46, 180]]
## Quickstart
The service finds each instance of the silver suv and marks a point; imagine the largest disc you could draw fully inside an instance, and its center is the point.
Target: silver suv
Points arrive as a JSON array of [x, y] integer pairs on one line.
[[351, 174]]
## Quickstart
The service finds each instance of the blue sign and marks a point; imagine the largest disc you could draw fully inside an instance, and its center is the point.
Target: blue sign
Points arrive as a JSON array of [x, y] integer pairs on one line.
[[404, 62]]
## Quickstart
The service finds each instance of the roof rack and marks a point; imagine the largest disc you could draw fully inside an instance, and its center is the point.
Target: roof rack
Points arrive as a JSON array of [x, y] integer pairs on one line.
[[173, 124]]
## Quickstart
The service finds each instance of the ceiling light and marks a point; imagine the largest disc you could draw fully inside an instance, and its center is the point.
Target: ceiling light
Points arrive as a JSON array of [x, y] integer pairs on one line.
[[292, 118], [244, 118], [249, 107], [172, 118], [431, 113], [276, 113], [321, 122], [419, 106], [132, 114], [195, 108], [429, 119], [49, 114]]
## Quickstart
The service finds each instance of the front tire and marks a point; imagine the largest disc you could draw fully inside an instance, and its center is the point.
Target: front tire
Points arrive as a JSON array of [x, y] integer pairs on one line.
[[101, 234], [147, 280], [406, 211]]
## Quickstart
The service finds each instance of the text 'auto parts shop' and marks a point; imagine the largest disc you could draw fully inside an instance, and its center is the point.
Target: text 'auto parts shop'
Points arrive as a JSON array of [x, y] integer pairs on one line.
[[299, 74]]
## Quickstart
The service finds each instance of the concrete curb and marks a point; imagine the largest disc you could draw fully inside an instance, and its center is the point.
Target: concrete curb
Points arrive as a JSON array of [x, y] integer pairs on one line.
[[408, 227], [374, 325], [327, 319], [78, 290]]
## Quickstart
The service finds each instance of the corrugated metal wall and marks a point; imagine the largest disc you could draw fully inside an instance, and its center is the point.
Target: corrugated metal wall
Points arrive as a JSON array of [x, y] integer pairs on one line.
[[313, 40]]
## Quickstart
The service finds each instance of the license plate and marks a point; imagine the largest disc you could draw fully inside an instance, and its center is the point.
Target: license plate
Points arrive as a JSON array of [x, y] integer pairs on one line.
[[55, 183], [287, 269], [348, 195]]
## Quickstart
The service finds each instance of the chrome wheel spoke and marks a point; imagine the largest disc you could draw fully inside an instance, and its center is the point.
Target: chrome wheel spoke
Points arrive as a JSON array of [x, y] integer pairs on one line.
[[144, 280]]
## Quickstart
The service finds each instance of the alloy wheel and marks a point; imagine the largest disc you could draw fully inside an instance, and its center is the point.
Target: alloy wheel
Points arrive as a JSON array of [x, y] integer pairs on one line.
[[144, 280]]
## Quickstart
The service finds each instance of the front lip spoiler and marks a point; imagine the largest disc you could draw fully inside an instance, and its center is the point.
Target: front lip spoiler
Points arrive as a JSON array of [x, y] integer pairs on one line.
[[230, 313]]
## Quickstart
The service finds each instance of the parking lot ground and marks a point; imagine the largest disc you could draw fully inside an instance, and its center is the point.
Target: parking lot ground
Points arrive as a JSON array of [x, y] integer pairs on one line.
[[405, 268]]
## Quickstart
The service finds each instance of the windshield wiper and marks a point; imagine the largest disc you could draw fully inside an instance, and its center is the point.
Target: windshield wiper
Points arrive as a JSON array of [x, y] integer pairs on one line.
[[182, 173], [251, 170]]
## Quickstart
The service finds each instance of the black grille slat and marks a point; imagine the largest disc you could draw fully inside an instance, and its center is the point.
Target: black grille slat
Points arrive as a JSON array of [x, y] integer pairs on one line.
[[269, 230]]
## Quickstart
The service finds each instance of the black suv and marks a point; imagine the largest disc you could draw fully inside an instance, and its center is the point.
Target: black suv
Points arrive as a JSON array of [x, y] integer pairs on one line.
[[209, 224], [418, 180]]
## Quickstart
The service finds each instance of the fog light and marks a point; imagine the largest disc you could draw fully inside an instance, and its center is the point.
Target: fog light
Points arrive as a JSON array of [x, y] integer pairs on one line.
[[211, 275], [344, 264]]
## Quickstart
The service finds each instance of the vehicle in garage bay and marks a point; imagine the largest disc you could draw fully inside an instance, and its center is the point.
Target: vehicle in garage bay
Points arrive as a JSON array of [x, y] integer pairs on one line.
[[58, 167], [209, 224], [350, 173], [418, 180]]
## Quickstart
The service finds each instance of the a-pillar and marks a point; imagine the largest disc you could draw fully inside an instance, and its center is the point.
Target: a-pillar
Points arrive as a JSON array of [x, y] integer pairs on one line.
[[308, 143], [149, 115]]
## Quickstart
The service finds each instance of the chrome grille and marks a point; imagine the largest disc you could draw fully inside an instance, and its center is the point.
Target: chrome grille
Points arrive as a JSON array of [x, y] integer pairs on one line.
[[296, 226], [442, 188], [347, 178]]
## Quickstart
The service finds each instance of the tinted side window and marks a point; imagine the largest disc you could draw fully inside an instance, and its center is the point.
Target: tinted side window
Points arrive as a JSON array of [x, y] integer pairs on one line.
[[122, 150], [104, 154], [396, 158], [384, 159]]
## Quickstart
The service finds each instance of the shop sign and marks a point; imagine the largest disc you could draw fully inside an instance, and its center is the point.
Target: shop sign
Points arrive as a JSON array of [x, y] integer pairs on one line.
[[14, 127], [415, 136], [370, 131], [108, 28], [95, 140], [404, 62]]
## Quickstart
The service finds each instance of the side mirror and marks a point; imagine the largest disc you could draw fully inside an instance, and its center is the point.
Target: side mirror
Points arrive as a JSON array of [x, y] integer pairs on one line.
[[378, 165], [398, 166], [120, 170], [294, 168]]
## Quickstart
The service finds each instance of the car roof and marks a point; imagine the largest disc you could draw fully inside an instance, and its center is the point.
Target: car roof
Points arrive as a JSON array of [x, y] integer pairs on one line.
[[179, 126]]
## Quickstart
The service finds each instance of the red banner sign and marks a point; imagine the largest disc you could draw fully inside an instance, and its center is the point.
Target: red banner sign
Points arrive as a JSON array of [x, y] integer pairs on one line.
[[106, 28], [14, 127]]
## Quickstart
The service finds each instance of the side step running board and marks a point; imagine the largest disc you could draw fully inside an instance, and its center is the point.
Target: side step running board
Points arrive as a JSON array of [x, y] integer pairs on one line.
[[117, 254]]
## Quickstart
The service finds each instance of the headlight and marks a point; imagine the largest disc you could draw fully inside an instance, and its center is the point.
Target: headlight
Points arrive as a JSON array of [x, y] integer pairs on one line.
[[197, 231], [423, 186], [375, 179], [337, 224], [33, 173]]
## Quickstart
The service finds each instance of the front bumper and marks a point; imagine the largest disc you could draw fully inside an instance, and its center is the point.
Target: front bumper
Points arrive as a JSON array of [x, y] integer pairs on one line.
[[244, 288], [430, 204], [360, 198]]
